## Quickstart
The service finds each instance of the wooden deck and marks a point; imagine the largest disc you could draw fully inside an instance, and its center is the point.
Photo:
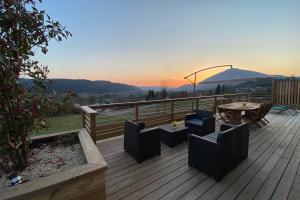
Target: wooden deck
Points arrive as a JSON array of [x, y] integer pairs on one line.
[[270, 172]]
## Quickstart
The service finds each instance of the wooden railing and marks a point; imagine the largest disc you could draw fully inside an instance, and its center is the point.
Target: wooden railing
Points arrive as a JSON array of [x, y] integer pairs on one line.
[[89, 121], [107, 120], [286, 92]]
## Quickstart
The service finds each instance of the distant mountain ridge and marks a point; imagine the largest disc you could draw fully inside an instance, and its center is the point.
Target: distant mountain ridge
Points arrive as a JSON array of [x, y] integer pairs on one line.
[[229, 74], [87, 86]]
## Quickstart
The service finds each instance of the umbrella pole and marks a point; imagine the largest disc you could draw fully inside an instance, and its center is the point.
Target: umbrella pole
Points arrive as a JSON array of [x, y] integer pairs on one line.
[[195, 79], [194, 91]]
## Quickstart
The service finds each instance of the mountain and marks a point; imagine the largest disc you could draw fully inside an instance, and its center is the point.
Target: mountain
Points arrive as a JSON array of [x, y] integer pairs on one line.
[[229, 74], [87, 86]]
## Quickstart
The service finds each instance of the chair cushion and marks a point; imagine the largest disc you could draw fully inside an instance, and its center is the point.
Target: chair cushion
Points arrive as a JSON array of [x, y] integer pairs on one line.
[[196, 122], [204, 114], [213, 136], [280, 108]]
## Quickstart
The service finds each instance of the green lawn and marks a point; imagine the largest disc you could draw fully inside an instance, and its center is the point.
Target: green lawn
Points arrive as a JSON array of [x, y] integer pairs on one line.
[[61, 123]]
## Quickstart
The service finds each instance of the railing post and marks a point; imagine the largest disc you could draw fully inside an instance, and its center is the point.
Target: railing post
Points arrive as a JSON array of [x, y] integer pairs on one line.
[[197, 104], [274, 90], [215, 105], [93, 126], [89, 121], [82, 119], [137, 112], [172, 111]]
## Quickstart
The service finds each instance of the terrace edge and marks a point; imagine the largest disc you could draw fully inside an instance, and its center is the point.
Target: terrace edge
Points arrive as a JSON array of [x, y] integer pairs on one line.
[[83, 182]]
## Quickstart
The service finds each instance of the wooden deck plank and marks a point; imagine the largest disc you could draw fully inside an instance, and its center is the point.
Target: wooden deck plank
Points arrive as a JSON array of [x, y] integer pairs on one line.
[[269, 185], [295, 190], [275, 150], [167, 188], [123, 191], [284, 186], [128, 161], [157, 184], [131, 188], [144, 166], [272, 168], [256, 183], [217, 190], [184, 188], [142, 175], [199, 190]]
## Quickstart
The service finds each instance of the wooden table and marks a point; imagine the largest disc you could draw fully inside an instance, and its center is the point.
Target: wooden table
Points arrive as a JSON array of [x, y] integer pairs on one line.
[[237, 108]]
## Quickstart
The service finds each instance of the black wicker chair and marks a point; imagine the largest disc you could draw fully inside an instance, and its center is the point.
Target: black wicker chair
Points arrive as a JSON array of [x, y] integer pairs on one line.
[[139, 142], [200, 123], [218, 153]]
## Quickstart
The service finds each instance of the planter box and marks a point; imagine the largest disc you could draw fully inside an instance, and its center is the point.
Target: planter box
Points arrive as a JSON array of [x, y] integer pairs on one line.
[[83, 182]]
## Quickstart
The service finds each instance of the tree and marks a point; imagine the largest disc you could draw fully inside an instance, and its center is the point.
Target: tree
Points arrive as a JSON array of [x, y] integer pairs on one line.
[[163, 93], [218, 89], [223, 89], [151, 95], [24, 30]]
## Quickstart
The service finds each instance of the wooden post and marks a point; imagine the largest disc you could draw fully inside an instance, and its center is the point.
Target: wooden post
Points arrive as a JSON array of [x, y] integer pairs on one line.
[[137, 112], [197, 104], [273, 92], [93, 126], [215, 105], [247, 97], [83, 118], [172, 111]]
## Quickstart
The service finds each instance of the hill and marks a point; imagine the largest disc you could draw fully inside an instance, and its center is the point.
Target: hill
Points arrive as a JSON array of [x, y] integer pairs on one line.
[[87, 86], [229, 74]]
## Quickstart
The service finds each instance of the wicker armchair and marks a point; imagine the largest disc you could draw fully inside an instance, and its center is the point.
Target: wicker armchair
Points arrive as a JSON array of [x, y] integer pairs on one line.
[[218, 153], [139, 142], [200, 123]]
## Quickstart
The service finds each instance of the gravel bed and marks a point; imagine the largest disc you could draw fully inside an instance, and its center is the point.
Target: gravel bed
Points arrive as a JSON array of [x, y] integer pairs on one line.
[[49, 158]]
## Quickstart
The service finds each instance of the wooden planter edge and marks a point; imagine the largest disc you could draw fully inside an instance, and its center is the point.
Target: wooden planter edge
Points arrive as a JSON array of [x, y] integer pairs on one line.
[[83, 182]]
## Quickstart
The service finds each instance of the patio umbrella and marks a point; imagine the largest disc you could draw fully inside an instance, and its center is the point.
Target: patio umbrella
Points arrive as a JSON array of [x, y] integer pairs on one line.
[[192, 78], [233, 75]]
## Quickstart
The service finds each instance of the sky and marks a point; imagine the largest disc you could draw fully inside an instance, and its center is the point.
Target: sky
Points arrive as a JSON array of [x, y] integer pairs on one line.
[[158, 42]]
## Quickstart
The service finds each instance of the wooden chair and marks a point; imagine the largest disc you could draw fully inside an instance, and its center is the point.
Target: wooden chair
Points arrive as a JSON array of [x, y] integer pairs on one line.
[[268, 108], [256, 116], [225, 115]]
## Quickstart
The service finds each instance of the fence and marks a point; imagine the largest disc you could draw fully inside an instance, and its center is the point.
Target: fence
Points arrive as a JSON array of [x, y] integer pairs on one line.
[[107, 120], [286, 92]]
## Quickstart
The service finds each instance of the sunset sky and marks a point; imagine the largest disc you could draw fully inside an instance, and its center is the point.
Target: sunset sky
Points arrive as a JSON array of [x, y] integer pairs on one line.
[[155, 42]]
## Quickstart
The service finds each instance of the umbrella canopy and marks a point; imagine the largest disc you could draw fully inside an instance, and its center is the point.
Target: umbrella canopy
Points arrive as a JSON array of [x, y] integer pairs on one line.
[[233, 80], [235, 75]]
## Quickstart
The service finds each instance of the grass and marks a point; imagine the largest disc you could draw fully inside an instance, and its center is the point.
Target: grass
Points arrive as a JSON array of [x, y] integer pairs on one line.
[[60, 124]]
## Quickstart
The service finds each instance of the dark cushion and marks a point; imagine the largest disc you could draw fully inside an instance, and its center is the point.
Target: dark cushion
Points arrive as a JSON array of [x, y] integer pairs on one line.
[[204, 114], [196, 122], [213, 136]]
